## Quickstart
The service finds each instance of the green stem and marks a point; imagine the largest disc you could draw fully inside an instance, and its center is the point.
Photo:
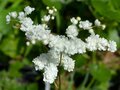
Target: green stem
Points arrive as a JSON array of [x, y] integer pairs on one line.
[[59, 76], [56, 87], [94, 57], [59, 81], [90, 84], [71, 81], [85, 80]]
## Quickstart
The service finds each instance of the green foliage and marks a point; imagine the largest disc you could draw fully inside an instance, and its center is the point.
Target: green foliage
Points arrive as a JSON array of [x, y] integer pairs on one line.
[[100, 72], [7, 83], [109, 9], [51, 3]]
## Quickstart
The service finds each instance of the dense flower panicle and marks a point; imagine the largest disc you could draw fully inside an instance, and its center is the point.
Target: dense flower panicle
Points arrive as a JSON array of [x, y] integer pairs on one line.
[[94, 42], [59, 44]]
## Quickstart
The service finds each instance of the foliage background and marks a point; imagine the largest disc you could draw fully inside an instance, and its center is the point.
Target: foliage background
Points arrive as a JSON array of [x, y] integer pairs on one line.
[[94, 70]]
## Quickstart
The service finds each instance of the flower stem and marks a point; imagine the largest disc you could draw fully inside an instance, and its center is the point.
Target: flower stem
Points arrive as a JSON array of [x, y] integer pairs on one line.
[[90, 84], [94, 57], [59, 76]]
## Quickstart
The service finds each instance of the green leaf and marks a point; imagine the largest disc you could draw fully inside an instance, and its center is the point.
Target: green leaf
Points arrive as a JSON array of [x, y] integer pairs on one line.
[[100, 72], [80, 60], [9, 46], [15, 66], [113, 35], [4, 28], [32, 86], [107, 8], [103, 86]]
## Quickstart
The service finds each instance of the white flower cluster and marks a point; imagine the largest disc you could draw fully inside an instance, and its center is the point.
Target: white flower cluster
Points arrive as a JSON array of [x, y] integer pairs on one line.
[[60, 44], [28, 10], [49, 62]]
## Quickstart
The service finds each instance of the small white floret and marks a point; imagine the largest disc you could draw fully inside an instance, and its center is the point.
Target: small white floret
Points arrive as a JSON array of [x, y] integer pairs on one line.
[[97, 22], [8, 19], [112, 46], [28, 10], [13, 14], [86, 25], [74, 21]]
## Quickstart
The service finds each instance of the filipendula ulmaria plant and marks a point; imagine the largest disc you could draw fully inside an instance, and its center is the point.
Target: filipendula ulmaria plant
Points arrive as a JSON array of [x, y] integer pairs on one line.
[[61, 46]]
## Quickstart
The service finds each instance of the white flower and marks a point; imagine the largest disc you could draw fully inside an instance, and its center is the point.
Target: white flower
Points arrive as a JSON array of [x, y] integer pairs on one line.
[[74, 21], [97, 22], [40, 61], [27, 43], [8, 19], [57, 42], [33, 41], [50, 11], [48, 62], [72, 31], [21, 15], [41, 34], [103, 27], [50, 73], [68, 63], [70, 47], [13, 14], [91, 31], [46, 18], [92, 41], [86, 25], [54, 57], [53, 17], [26, 24], [112, 46], [78, 18], [102, 44], [80, 45], [28, 10]]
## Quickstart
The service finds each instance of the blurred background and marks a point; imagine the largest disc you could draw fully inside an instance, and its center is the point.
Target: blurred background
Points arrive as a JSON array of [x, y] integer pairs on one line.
[[16, 68]]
